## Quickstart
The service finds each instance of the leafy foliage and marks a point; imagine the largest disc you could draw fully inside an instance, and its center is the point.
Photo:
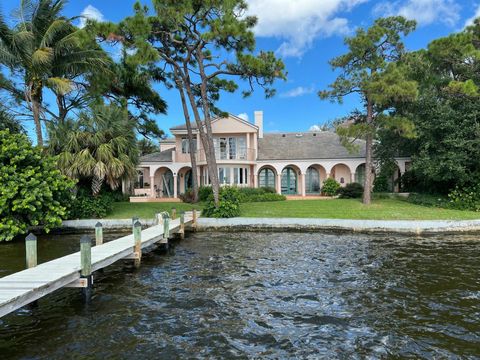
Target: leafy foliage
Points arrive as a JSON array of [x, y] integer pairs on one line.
[[465, 198], [7, 121], [100, 146], [259, 195], [204, 193], [86, 206], [228, 207], [350, 191], [330, 187], [32, 191]]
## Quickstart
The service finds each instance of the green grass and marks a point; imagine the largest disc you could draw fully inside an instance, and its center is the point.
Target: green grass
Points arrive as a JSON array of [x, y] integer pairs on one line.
[[127, 210], [381, 209]]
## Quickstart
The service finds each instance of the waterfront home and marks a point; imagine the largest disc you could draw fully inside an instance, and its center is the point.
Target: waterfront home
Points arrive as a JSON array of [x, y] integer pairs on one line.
[[295, 164]]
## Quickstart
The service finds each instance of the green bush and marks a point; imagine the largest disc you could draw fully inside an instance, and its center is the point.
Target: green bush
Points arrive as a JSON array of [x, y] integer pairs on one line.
[[380, 184], [467, 198], [330, 187], [229, 205], [187, 196], [430, 200], [204, 193], [259, 195], [87, 206], [32, 191], [350, 191]]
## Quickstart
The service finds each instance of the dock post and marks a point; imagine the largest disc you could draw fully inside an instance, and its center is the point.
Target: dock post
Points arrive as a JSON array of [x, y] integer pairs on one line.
[[134, 220], [174, 213], [194, 220], [98, 234], [137, 236], [31, 250], [182, 225], [158, 218], [86, 265], [166, 226]]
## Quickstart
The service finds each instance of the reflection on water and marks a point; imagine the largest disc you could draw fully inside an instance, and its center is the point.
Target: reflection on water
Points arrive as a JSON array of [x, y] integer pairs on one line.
[[263, 295]]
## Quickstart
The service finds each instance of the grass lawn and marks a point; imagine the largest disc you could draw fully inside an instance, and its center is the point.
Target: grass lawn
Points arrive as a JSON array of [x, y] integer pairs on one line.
[[127, 210], [384, 209]]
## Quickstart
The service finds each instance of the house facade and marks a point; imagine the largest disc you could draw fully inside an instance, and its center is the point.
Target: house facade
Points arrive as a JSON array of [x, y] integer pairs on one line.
[[295, 164]]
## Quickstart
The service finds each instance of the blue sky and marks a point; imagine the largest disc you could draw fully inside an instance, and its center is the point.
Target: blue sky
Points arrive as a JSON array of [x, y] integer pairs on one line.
[[305, 34]]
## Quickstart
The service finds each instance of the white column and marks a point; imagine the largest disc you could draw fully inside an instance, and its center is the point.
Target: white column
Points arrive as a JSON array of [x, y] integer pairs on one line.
[[352, 177], [175, 186], [232, 179], [247, 144], [279, 183], [152, 184], [302, 184]]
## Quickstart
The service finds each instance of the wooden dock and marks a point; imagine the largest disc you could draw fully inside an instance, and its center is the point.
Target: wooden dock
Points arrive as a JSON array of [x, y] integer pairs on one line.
[[24, 287]]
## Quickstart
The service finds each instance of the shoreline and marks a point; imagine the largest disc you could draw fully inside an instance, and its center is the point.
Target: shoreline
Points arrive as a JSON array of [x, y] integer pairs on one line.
[[413, 227]]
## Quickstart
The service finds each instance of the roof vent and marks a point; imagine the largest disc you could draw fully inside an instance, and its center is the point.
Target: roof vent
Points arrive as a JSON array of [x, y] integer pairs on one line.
[[298, 135]]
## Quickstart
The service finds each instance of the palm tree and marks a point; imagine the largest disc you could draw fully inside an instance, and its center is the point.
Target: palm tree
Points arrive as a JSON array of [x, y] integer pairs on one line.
[[100, 146], [48, 51]]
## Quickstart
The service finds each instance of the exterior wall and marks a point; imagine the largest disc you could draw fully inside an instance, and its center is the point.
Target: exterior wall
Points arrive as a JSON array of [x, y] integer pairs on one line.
[[166, 145]]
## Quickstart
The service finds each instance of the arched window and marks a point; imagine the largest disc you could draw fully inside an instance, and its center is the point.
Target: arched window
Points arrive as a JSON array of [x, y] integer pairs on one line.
[[360, 174], [312, 181], [289, 181], [266, 178]]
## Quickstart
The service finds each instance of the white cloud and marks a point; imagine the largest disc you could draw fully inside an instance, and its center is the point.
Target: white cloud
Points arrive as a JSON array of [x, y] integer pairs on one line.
[[315, 128], [243, 116], [298, 91], [300, 22], [91, 13], [470, 20], [425, 12]]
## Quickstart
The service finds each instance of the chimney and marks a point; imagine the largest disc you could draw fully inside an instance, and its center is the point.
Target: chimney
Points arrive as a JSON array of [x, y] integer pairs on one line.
[[259, 123]]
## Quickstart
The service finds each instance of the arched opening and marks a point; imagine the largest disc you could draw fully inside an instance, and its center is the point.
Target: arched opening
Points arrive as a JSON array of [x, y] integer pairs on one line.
[[184, 180], [163, 184], [341, 173], [360, 174], [267, 177], [289, 181], [312, 181]]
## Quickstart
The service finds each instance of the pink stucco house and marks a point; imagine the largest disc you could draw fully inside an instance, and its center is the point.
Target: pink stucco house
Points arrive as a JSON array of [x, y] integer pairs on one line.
[[295, 164]]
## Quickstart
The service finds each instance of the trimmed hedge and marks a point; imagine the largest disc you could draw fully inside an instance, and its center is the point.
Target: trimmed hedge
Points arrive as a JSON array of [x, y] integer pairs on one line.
[[351, 191]]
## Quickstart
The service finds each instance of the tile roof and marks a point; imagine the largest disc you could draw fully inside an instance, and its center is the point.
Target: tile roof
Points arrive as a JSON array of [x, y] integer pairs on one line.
[[160, 156], [306, 145]]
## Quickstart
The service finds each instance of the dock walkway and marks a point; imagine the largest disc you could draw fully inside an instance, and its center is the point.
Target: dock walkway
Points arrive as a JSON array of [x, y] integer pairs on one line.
[[24, 287]]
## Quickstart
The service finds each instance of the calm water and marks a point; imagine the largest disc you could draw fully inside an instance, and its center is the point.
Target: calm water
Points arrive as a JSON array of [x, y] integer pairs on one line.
[[262, 295]]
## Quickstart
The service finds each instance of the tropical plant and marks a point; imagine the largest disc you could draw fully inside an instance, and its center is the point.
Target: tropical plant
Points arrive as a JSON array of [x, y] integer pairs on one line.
[[351, 191], [33, 192], [100, 146], [48, 51], [7, 121]]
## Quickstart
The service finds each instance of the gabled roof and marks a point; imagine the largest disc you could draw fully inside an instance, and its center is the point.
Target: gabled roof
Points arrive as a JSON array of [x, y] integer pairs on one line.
[[306, 145], [160, 156], [194, 124]]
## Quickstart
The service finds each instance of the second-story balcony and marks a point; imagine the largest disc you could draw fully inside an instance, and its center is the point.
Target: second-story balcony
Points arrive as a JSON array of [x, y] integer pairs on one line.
[[247, 154]]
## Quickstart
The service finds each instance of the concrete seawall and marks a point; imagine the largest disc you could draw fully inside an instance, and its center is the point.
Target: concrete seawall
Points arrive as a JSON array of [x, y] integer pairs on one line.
[[340, 225]]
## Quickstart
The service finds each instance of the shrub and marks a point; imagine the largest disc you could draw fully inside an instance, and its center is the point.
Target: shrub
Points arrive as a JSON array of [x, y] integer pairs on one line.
[[204, 193], [229, 205], [32, 191], [428, 200], [467, 198], [187, 196], [350, 191], [330, 187], [259, 195], [380, 184], [87, 206]]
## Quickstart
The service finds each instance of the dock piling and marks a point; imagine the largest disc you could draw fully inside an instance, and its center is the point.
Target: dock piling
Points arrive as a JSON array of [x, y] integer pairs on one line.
[[31, 250], [86, 265], [194, 219], [137, 236], [98, 234], [174, 213], [182, 225], [166, 225]]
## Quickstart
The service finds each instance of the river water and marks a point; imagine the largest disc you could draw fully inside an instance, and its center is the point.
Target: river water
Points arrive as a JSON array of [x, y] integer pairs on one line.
[[261, 295]]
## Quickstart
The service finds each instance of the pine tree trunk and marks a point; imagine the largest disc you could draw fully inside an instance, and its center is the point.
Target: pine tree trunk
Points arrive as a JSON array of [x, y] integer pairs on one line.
[[207, 140], [193, 158], [367, 191]]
